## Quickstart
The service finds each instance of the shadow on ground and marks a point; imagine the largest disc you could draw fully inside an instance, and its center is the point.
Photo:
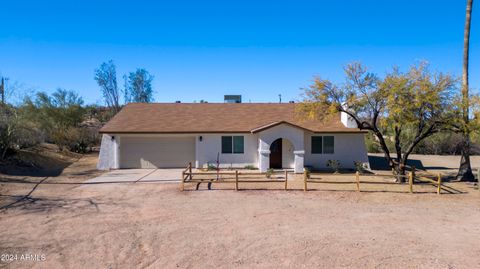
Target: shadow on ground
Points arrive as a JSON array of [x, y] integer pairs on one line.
[[50, 167], [28, 204], [379, 163]]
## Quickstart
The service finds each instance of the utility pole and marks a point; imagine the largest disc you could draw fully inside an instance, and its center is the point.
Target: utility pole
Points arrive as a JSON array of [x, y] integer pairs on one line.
[[2, 90]]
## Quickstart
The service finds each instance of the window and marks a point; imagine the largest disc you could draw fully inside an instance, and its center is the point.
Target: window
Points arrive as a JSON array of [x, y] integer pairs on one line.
[[316, 145], [323, 144], [232, 144], [328, 144], [238, 144], [227, 144]]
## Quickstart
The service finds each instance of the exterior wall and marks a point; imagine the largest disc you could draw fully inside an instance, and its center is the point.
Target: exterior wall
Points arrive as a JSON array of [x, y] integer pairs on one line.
[[348, 148], [211, 145], [107, 159], [293, 134]]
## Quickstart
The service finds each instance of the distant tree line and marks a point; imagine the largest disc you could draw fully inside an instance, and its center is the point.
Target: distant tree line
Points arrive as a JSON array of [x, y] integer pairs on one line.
[[63, 118]]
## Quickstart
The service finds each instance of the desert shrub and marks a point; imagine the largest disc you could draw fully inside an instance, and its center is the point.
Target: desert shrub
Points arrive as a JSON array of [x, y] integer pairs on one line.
[[54, 113], [359, 166], [249, 167], [307, 171], [269, 173], [74, 139], [334, 165], [28, 135], [211, 167], [441, 144], [16, 132], [103, 114]]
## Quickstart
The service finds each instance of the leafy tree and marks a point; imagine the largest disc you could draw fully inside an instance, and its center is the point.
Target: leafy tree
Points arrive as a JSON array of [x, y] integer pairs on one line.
[[138, 87], [9, 126], [106, 77], [465, 169], [406, 106], [16, 131], [55, 114]]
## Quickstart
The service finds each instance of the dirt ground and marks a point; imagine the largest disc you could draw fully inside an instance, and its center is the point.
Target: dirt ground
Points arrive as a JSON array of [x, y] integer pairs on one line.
[[154, 225]]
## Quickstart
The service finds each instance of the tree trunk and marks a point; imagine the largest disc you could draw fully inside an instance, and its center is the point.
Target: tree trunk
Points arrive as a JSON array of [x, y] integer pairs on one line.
[[400, 169], [465, 169]]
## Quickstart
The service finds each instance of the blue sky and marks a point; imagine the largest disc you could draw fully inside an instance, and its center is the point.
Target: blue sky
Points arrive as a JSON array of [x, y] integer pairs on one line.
[[205, 49]]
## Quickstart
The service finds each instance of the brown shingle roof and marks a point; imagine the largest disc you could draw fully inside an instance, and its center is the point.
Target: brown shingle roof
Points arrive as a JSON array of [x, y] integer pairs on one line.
[[211, 118]]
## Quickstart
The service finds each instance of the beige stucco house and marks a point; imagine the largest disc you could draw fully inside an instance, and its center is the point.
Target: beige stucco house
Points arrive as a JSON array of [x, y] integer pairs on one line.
[[264, 135]]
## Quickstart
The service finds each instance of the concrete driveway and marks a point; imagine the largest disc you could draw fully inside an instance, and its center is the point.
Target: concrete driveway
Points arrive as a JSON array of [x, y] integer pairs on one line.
[[139, 176]]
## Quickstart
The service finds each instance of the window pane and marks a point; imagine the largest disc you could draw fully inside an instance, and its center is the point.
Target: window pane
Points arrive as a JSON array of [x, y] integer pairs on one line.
[[238, 144], [226, 144], [328, 144], [316, 145]]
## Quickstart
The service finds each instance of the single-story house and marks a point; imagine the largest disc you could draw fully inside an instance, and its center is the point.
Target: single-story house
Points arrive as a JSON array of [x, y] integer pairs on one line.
[[263, 135]]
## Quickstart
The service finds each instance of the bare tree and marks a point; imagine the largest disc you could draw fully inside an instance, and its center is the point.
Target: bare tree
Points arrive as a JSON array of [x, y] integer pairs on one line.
[[106, 77]]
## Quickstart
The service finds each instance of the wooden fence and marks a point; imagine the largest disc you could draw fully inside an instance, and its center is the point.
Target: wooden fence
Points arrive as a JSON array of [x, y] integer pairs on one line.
[[239, 177], [236, 177], [411, 177]]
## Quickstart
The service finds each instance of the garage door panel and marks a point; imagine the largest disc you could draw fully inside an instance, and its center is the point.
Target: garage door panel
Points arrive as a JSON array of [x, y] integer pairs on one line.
[[165, 152]]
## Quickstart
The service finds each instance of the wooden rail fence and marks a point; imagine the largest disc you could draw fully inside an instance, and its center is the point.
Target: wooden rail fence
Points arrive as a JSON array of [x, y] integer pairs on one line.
[[236, 177], [239, 177], [411, 176]]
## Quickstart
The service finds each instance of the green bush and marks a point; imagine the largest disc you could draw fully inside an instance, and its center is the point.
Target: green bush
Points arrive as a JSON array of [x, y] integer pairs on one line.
[[269, 173], [359, 166], [16, 131], [334, 165], [308, 172], [78, 140], [250, 167], [211, 167]]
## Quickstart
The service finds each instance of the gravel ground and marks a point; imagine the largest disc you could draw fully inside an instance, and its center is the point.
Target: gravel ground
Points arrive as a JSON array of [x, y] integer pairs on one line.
[[134, 225]]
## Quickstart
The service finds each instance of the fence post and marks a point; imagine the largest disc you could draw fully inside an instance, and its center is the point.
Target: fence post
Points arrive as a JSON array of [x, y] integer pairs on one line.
[[304, 180], [410, 182], [236, 180], [286, 179], [182, 187], [357, 180], [190, 170], [439, 187]]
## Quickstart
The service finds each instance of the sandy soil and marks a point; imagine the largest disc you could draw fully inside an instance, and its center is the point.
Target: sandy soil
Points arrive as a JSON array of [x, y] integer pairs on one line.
[[77, 169], [150, 225]]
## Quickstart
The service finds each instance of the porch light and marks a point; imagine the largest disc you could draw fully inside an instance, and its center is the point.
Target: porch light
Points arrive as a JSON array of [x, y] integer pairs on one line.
[[200, 138]]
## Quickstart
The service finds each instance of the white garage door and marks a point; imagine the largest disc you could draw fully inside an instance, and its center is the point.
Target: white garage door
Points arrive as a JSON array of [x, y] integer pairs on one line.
[[164, 152]]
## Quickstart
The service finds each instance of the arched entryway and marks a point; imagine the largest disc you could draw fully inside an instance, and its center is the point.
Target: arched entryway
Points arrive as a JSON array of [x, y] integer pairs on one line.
[[281, 154]]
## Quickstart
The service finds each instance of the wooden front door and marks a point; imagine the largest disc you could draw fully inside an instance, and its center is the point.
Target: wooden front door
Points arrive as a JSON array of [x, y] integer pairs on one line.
[[276, 154]]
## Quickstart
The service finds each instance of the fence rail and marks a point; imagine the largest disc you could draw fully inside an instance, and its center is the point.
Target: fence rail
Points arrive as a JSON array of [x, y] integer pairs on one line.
[[411, 176], [239, 177], [236, 177]]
